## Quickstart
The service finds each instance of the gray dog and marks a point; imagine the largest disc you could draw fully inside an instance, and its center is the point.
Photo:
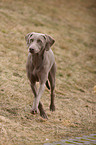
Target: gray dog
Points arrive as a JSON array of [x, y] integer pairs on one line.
[[41, 67]]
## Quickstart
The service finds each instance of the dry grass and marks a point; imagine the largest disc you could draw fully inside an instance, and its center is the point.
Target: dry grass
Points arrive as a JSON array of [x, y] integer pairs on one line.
[[73, 25]]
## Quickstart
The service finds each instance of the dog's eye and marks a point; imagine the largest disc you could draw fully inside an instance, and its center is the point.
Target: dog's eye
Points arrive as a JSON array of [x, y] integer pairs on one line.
[[31, 35], [39, 41], [31, 40]]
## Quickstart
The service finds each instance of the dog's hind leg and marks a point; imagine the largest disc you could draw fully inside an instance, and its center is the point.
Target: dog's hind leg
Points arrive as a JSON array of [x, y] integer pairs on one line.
[[51, 77]]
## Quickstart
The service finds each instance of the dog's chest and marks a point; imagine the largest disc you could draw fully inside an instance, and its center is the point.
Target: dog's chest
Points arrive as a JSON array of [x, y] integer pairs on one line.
[[35, 68], [33, 73]]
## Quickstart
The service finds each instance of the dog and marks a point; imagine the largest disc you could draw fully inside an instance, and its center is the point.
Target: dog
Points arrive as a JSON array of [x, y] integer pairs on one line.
[[41, 67]]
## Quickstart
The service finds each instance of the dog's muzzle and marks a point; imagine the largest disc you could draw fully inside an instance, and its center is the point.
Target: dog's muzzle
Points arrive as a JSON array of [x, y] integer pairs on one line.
[[31, 50]]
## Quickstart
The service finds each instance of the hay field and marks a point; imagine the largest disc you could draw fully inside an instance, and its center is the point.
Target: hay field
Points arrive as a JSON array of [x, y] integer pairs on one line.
[[73, 26]]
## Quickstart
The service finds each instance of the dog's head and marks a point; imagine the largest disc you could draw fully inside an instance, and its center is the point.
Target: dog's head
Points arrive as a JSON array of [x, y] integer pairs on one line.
[[38, 42]]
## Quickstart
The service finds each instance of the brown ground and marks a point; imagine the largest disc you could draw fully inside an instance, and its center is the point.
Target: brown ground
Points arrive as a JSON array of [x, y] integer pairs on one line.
[[73, 25]]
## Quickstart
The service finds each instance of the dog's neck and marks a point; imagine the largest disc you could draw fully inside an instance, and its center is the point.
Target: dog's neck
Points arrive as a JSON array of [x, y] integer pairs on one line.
[[37, 59]]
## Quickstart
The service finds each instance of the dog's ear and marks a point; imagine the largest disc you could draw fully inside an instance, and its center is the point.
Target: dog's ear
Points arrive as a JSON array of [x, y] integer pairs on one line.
[[49, 42], [27, 38]]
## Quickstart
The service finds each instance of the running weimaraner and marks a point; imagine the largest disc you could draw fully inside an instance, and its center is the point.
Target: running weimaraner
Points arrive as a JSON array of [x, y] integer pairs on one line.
[[41, 67]]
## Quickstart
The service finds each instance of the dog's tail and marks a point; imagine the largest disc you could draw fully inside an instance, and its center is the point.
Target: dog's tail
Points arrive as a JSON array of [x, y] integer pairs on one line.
[[47, 85]]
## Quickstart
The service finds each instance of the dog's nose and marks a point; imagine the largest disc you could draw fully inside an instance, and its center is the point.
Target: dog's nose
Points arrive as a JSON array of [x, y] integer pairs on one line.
[[31, 49]]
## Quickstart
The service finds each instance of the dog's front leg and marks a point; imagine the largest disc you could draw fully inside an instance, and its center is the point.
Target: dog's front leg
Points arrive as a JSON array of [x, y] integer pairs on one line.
[[40, 92], [37, 97], [37, 104], [34, 89]]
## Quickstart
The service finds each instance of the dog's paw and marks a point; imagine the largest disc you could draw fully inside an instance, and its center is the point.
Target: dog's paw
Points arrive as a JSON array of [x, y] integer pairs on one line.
[[43, 115], [52, 107]]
